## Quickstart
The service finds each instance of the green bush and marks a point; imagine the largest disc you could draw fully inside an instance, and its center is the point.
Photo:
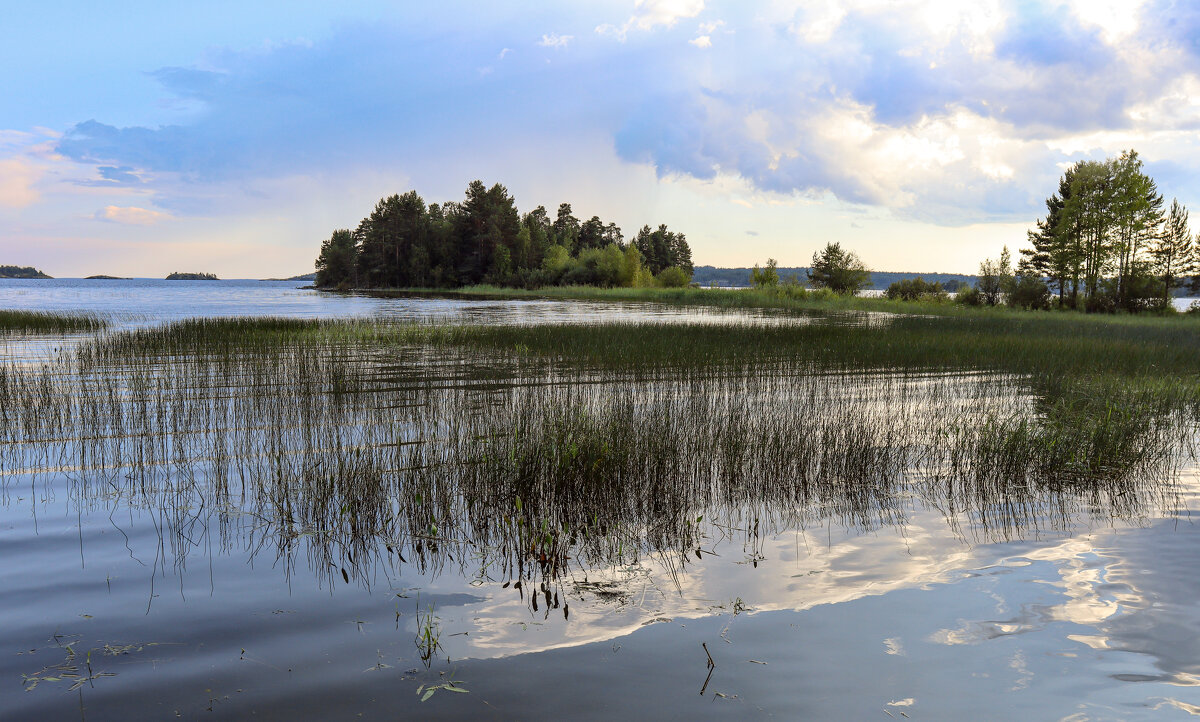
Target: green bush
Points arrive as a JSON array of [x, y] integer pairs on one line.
[[674, 277], [969, 296], [912, 289], [1029, 292]]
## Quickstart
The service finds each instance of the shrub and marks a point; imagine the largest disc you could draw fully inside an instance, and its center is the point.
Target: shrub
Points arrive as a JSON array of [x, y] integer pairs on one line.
[[1029, 292], [838, 270], [969, 296], [912, 289], [674, 277]]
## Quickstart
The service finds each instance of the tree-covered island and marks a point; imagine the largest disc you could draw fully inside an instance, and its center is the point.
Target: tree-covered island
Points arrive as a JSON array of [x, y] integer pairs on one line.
[[21, 272], [180, 276], [405, 243]]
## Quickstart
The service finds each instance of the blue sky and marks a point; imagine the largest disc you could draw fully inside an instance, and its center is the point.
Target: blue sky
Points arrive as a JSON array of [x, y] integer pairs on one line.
[[233, 137]]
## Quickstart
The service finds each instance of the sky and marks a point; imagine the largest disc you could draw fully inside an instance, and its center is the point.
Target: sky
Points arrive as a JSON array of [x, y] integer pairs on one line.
[[142, 137]]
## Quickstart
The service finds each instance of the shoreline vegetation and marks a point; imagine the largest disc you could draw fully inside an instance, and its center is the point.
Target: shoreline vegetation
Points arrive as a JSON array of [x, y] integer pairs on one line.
[[502, 434], [12, 321], [484, 239], [1105, 245], [781, 298]]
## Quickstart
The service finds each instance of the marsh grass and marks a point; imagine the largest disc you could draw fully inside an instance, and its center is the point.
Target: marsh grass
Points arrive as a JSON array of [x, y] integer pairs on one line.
[[15, 321], [536, 453], [788, 298]]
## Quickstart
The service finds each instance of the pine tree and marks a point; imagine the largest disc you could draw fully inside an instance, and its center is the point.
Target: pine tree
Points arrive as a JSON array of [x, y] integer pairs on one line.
[[1173, 253]]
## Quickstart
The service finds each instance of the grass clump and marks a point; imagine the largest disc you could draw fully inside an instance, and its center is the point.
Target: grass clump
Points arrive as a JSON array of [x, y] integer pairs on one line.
[[16, 321]]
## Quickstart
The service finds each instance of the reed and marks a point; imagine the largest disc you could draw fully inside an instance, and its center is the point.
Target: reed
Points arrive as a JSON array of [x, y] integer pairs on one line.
[[17, 321], [525, 452]]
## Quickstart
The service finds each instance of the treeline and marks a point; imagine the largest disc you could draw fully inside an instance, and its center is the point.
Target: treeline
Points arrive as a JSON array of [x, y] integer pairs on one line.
[[1106, 243], [880, 280], [21, 272], [405, 243]]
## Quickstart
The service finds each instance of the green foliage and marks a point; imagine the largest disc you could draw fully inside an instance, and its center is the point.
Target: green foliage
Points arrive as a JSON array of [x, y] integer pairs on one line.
[[1174, 255], [662, 249], [969, 296], [405, 244], [1105, 239], [914, 289], [1029, 292], [838, 270], [765, 277], [995, 278], [674, 277], [336, 264]]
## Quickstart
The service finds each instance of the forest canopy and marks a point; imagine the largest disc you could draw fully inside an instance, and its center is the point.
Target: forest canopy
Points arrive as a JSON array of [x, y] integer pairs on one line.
[[405, 243]]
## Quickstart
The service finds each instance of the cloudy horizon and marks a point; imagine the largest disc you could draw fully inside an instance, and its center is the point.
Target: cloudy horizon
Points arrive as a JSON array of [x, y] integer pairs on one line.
[[922, 134]]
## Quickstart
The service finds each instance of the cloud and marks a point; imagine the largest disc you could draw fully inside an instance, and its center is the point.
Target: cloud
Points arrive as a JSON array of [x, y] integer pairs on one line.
[[130, 215], [939, 110], [650, 14], [555, 41], [17, 179]]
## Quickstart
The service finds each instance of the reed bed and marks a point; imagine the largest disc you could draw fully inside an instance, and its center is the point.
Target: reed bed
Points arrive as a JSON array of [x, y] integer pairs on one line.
[[15, 321], [527, 453]]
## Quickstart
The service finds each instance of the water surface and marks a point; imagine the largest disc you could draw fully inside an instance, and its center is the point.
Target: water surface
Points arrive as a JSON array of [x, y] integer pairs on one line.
[[189, 569]]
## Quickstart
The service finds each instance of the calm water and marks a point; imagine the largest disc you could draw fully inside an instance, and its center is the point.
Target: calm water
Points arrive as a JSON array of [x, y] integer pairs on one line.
[[1070, 604], [150, 301]]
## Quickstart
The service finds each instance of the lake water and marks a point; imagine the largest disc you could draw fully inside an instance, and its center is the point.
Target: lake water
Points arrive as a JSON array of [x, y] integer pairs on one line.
[[159, 577]]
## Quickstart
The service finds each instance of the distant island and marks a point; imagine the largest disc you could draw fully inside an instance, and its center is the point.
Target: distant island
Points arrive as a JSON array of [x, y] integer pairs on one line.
[[21, 272], [106, 278], [303, 277], [177, 276]]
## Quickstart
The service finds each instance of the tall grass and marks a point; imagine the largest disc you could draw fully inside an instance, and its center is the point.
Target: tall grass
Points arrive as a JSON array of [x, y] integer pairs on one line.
[[790, 298], [16, 321], [521, 451]]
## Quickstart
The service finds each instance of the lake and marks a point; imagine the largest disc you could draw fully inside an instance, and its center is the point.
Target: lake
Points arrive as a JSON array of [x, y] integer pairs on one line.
[[372, 520]]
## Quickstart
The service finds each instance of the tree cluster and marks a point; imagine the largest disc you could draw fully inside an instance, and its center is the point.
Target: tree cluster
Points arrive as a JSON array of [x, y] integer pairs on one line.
[[1106, 242], [833, 268], [405, 243]]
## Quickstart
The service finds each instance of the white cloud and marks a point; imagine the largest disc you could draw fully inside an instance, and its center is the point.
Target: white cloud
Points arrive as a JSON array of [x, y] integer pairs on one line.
[[504, 52], [650, 14], [130, 215], [553, 40], [17, 178], [935, 23], [703, 41], [1117, 19]]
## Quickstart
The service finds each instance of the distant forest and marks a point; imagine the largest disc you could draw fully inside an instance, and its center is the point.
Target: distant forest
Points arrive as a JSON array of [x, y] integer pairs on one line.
[[21, 272], [711, 275], [405, 243]]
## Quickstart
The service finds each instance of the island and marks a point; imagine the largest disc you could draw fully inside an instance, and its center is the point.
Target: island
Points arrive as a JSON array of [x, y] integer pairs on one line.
[[303, 277], [21, 272], [177, 276], [102, 277]]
